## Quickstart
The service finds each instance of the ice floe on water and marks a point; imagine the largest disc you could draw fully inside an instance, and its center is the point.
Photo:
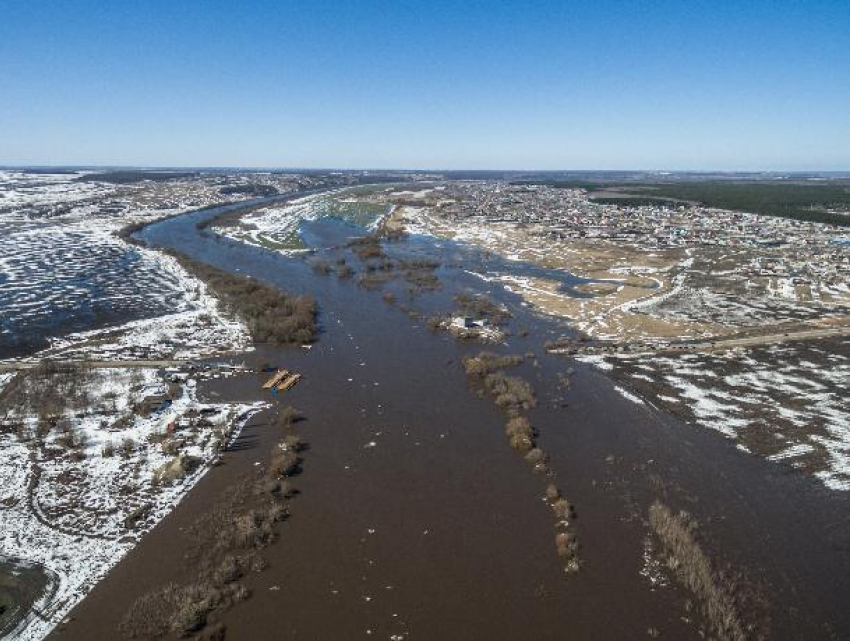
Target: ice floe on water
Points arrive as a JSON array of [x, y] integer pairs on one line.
[[64, 269], [197, 327]]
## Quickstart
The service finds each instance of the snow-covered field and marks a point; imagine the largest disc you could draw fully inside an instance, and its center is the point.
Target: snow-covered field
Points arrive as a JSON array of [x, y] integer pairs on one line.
[[75, 498], [784, 402], [278, 226], [82, 475]]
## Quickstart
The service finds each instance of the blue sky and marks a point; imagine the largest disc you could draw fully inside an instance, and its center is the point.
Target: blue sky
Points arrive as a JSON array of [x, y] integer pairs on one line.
[[526, 85]]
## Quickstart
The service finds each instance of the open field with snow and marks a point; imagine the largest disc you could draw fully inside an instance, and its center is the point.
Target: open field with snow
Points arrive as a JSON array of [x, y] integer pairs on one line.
[[90, 460], [285, 227], [787, 402]]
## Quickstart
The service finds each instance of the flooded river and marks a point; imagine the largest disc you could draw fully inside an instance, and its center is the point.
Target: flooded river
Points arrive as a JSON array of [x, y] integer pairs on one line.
[[416, 520]]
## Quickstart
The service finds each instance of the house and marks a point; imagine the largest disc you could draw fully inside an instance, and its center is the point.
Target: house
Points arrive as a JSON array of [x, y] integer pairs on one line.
[[467, 322]]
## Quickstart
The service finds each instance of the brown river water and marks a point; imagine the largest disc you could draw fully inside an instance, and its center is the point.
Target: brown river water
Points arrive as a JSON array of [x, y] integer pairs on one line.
[[416, 520]]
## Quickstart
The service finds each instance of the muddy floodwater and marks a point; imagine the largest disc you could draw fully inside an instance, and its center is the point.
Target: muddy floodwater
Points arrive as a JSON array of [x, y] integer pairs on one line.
[[415, 518], [22, 585]]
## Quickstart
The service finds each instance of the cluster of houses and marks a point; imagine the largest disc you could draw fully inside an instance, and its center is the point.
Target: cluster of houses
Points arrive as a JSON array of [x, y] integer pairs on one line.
[[803, 251]]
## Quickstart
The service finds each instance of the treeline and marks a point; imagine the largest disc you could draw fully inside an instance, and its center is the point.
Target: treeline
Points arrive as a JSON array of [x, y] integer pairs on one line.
[[130, 176], [250, 190], [271, 315], [799, 201]]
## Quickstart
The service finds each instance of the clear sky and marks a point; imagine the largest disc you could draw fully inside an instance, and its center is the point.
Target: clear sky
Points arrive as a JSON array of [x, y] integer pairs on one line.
[[648, 84]]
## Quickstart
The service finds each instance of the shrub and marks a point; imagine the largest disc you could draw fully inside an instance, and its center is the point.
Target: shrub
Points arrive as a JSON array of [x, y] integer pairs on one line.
[[487, 363], [434, 323], [692, 567], [520, 434], [368, 247], [287, 416], [562, 508], [252, 530], [320, 266], [283, 463], [481, 306], [293, 442], [229, 570], [567, 546], [128, 446], [509, 392], [535, 456]]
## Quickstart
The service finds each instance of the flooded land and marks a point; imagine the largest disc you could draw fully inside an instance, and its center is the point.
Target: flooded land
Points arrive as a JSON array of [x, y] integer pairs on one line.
[[417, 408]]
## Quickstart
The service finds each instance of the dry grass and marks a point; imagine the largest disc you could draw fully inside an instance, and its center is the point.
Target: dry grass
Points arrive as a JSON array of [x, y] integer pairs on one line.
[[691, 566]]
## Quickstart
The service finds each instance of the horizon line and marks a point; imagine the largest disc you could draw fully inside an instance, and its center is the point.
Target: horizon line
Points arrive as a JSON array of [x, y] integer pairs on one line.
[[295, 169]]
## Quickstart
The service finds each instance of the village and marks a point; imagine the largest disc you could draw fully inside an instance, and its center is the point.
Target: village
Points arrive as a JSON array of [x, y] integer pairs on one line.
[[810, 252]]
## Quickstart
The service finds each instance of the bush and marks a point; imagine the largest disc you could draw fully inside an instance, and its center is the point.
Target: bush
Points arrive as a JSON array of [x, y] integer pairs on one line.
[[693, 568], [487, 363], [562, 508], [520, 434], [128, 446], [283, 463], [509, 392]]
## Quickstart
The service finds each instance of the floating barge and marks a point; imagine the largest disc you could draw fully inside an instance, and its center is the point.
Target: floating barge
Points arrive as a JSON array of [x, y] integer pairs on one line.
[[282, 380]]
